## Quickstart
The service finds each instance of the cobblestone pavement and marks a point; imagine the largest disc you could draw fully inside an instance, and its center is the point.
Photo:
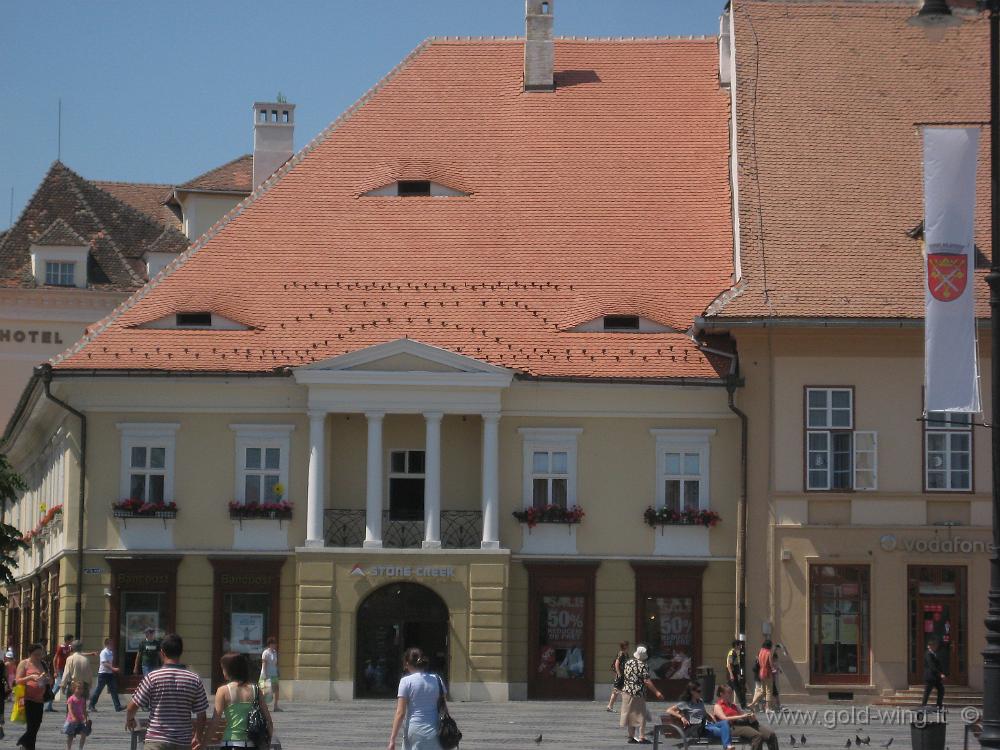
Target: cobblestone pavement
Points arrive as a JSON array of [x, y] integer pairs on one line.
[[514, 726]]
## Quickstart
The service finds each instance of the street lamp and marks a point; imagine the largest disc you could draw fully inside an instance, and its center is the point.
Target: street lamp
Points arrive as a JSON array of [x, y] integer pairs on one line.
[[936, 17]]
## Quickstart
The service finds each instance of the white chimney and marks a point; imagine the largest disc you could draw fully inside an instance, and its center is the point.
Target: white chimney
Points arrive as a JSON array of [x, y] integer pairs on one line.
[[273, 126], [539, 54]]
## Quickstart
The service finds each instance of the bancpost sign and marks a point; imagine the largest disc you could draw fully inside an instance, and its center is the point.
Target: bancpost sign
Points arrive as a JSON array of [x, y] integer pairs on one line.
[[403, 571]]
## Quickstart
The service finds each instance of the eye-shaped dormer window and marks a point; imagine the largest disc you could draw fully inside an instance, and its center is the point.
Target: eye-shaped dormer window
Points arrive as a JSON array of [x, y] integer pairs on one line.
[[621, 324], [414, 189], [196, 320]]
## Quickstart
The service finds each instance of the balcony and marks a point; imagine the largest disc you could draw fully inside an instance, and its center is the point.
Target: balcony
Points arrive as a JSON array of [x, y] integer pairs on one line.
[[345, 527]]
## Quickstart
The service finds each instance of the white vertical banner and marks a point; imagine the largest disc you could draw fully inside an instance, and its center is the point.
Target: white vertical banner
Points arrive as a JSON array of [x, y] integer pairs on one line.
[[951, 372]]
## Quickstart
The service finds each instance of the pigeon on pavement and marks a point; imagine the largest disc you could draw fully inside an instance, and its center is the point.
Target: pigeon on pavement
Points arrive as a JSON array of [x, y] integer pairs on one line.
[[792, 738], [802, 739], [889, 742], [538, 739]]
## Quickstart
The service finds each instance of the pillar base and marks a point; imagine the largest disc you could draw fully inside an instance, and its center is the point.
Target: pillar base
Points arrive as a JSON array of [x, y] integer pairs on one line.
[[315, 543], [430, 545], [490, 545], [372, 544]]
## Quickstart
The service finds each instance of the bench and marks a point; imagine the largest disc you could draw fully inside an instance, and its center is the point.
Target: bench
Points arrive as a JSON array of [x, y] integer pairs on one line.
[[669, 728]]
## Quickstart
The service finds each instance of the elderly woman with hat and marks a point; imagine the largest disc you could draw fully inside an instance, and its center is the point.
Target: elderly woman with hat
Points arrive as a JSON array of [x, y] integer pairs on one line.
[[634, 713]]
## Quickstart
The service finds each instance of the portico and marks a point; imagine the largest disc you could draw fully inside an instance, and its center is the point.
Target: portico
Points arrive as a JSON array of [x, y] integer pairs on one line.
[[402, 377]]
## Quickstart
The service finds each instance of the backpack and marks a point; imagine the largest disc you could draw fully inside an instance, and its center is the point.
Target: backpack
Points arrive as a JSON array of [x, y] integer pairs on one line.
[[756, 668]]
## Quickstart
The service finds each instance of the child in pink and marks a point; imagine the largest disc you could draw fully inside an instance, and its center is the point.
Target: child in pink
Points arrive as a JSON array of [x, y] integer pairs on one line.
[[76, 716]]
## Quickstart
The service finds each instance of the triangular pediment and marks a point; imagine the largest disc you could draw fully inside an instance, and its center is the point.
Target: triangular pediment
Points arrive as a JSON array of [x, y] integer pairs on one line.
[[405, 356]]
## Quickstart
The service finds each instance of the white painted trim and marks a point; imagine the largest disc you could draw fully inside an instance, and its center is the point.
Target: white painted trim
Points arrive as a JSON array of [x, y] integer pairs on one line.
[[549, 433], [148, 435], [412, 347], [691, 441], [374, 377], [148, 429], [261, 436], [583, 414], [74, 255], [563, 439]]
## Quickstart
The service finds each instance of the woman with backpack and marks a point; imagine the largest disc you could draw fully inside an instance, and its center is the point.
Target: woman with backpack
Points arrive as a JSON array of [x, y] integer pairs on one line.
[[235, 702], [420, 701], [618, 667]]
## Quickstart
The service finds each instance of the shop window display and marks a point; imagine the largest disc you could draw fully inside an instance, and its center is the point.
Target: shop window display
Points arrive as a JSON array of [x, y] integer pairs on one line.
[[561, 640]]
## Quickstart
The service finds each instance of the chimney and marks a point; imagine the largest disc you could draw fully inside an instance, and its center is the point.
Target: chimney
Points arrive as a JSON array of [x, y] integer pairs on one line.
[[539, 56], [273, 126]]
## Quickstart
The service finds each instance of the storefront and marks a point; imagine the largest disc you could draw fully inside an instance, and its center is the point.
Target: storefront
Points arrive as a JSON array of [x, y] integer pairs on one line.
[[143, 595], [561, 630], [245, 612], [937, 611], [839, 623]]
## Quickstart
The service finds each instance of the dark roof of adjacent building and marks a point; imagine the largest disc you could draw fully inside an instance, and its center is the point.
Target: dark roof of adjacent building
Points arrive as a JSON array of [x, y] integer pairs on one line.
[[235, 176], [67, 207], [608, 196], [150, 198], [829, 100]]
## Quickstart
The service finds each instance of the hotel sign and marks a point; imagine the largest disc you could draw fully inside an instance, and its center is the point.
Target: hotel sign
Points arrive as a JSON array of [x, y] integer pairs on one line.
[[403, 571], [20, 336]]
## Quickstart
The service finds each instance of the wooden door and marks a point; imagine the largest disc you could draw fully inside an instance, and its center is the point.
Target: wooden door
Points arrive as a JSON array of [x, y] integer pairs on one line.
[[561, 631], [937, 611]]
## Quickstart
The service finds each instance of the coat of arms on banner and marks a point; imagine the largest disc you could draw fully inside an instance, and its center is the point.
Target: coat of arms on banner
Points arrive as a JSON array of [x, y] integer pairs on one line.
[[947, 275]]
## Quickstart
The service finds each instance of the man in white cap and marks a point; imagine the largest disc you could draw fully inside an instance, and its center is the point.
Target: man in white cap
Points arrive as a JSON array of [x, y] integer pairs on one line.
[[634, 713]]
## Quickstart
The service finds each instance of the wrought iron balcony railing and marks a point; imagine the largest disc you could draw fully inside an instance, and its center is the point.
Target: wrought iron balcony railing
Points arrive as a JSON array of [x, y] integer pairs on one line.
[[345, 527]]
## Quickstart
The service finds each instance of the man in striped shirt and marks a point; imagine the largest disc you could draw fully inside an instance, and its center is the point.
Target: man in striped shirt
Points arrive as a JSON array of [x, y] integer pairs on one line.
[[171, 694]]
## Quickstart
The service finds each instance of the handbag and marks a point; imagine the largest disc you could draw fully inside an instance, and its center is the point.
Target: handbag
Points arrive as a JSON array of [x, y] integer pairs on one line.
[[256, 723], [448, 733], [49, 695], [17, 714]]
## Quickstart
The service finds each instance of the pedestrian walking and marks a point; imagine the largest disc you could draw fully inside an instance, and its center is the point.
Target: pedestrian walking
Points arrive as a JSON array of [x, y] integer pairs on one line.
[[764, 677], [741, 723], [269, 670], [618, 667], [33, 676], [147, 658], [170, 694], [63, 651], [419, 699], [933, 674], [634, 713], [776, 667], [77, 722], [734, 670], [78, 667], [107, 676], [233, 703], [696, 719], [5, 691]]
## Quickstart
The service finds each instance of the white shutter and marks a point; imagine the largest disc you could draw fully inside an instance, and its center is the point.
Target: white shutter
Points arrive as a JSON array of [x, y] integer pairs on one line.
[[865, 460]]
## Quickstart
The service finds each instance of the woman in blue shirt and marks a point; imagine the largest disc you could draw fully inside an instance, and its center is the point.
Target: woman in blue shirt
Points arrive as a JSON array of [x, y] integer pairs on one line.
[[417, 706]]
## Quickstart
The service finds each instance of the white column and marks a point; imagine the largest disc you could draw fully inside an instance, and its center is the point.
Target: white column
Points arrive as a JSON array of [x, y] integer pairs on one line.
[[491, 481], [432, 481], [316, 490], [373, 485]]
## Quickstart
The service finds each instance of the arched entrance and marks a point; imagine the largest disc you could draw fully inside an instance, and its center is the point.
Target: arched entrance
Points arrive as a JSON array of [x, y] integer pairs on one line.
[[390, 620]]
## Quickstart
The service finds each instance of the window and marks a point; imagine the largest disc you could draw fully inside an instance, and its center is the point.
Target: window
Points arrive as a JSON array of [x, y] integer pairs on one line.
[[948, 452], [621, 322], [409, 188], [59, 273], [406, 485], [549, 466], [194, 320], [837, 456], [262, 453], [147, 470], [682, 468], [838, 605]]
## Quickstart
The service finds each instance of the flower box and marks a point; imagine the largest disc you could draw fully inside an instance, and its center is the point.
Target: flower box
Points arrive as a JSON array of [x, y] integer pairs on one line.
[[687, 517], [280, 511], [138, 509], [549, 514]]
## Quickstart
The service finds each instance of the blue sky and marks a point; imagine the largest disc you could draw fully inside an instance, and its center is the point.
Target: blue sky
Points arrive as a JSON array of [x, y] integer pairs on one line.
[[160, 92]]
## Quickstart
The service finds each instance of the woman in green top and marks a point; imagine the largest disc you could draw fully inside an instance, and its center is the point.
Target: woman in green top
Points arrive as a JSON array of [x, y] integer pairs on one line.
[[233, 702]]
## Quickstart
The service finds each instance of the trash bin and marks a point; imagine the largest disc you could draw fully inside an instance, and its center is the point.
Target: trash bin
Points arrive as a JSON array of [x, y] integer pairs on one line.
[[928, 736], [706, 676]]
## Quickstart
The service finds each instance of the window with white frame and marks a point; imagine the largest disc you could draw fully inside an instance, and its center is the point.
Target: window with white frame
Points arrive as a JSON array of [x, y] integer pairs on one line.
[[147, 462], [838, 457], [406, 485], [550, 466], [948, 452], [59, 273], [682, 468], [262, 453]]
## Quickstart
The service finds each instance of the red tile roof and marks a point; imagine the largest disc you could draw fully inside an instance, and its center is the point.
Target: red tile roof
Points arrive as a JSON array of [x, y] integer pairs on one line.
[[146, 197], [610, 195], [235, 176], [830, 156]]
